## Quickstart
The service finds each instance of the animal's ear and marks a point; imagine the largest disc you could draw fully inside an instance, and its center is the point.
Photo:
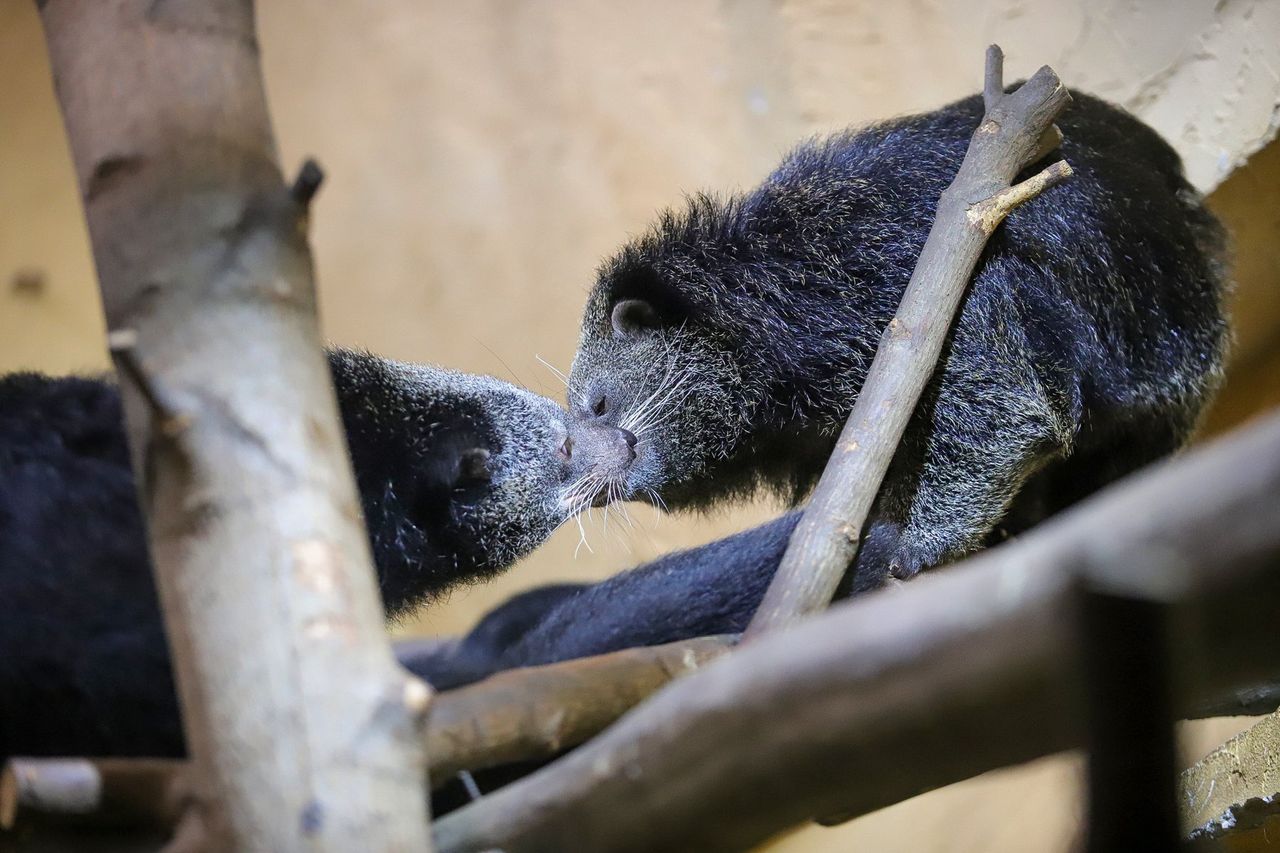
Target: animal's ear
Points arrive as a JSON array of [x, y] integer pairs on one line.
[[641, 300], [474, 467], [632, 318]]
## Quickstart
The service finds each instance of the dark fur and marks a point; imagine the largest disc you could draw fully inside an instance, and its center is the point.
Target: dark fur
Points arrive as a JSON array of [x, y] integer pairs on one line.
[[713, 589], [1087, 346], [84, 668], [1089, 343]]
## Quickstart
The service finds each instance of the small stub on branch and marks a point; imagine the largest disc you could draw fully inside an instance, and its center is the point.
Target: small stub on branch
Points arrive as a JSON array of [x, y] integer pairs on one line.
[[987, 214], [308, 182], [993, 77], [170, 420], [416, 696]]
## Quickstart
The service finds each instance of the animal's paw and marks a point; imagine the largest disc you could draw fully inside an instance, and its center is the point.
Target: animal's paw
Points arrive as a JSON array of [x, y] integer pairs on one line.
[[906, 563], [889, 551], [445, 665]]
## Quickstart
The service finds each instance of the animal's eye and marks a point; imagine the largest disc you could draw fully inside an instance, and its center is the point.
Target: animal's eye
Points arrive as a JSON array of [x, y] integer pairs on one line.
[[474, 467], [601, 406], [566, 449]]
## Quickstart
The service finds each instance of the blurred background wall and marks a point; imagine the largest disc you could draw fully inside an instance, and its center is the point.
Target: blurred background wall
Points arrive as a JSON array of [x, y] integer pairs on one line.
[[482, 157]]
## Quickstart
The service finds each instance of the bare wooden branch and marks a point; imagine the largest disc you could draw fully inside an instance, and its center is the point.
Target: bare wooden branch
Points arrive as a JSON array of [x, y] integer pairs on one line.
[[887, 696], [301, 725], [538, 712], [826, 539], [519, 715], [989, 213], [1246, 767], [107, 792]]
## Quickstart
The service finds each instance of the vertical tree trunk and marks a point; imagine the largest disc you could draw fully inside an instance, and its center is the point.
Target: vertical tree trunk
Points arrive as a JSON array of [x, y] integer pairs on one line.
[[304, 731]]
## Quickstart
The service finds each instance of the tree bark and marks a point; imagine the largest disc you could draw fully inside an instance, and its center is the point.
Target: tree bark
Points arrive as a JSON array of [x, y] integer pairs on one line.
[[526, 714], [105, 792], [297, 718], [1245, 768], [518, 715], [896, 693], [1011, 136]]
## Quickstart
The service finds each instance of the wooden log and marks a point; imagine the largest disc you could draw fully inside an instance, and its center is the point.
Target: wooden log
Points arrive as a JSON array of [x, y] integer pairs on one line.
[[304, 731], [1218, 789], [534, 713]]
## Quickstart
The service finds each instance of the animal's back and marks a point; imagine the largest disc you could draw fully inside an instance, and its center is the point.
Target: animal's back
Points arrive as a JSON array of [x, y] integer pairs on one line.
[[1088, 343], [75, 588], [1115, 276]]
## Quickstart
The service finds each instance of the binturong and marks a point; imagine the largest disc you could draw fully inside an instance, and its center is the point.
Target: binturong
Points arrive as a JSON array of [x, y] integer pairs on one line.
[[459, 476], [730, 340]]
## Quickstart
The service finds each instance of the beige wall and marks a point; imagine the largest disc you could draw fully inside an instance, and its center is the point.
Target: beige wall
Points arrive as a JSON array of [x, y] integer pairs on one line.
[[483, 156]]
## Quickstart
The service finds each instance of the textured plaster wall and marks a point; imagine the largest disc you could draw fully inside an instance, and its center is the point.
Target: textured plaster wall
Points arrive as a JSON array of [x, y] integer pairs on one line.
[[483, 156]]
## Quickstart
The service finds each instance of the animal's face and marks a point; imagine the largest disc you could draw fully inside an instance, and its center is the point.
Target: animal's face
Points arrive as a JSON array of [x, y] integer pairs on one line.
[[460, 475], [649, 370], [506, 468]]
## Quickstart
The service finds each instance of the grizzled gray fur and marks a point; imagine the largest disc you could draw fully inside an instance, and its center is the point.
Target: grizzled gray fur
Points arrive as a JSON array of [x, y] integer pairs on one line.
[[730, 340]]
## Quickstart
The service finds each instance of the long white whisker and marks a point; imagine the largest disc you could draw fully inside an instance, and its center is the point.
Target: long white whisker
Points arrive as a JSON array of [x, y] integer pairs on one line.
[[637, 411], [658, 499], [582, 538], [560, 374], [669, 402], [626, 516]]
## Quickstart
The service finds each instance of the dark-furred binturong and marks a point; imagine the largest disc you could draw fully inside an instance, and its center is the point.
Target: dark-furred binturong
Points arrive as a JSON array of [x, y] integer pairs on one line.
[[731, 339], [458, 475]]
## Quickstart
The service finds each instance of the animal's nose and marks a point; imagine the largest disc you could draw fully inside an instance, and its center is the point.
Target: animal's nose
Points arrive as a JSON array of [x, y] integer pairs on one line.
[[629, 440]]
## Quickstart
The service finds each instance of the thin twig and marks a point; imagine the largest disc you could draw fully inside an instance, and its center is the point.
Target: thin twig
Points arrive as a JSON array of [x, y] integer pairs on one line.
[[990, 212]]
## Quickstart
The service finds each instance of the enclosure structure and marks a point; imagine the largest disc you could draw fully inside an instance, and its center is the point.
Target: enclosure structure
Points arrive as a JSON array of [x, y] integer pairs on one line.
[[1198, 599]]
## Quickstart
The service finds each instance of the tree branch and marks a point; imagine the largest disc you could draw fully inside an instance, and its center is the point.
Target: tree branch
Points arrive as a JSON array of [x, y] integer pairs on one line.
[[533, 713], [518, 715], [106, 792], [303, 730], [826, 539], [960, 672], [1216, 789]]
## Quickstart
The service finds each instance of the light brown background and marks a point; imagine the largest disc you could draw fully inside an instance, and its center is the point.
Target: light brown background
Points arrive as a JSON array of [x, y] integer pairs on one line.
[[483, 156]]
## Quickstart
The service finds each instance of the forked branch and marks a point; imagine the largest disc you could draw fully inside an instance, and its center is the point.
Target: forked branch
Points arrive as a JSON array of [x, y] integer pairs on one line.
[[826, 539]]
